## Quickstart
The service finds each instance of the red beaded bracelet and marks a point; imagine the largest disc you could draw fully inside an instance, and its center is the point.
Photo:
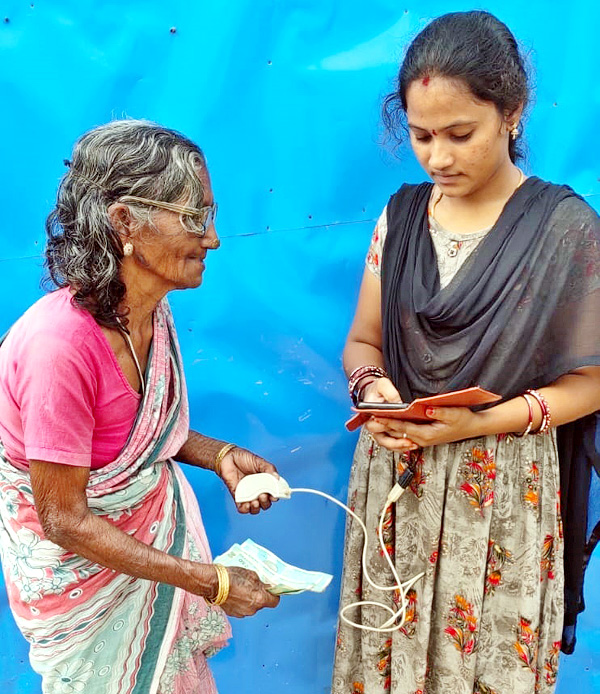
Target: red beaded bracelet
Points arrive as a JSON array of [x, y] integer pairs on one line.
[[546, 417], [358, 374], [530, 407]]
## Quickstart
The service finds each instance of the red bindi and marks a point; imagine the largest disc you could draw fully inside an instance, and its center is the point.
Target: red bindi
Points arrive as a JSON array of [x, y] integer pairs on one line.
[[426, 80], [433, 131]]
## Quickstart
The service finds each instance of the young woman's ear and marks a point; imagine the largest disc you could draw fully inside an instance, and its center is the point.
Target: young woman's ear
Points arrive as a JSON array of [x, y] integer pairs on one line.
[[512, 119]]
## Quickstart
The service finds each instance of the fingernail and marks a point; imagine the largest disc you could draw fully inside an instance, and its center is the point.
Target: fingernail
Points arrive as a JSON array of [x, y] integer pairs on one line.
[[430, 412]]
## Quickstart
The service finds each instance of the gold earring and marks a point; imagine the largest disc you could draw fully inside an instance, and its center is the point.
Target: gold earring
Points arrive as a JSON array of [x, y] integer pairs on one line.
[[128, 248], [514, 133]]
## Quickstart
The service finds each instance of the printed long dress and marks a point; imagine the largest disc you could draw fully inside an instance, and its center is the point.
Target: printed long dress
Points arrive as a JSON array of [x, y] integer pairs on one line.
[[481, 518]]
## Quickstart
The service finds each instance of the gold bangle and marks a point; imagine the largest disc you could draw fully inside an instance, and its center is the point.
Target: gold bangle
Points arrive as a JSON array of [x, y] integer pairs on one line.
[[220, 455], [223, 587], [219, 595], [226, 583]]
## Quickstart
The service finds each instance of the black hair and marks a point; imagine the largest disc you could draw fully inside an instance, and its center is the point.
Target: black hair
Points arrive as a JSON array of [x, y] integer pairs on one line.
[[474, 47]]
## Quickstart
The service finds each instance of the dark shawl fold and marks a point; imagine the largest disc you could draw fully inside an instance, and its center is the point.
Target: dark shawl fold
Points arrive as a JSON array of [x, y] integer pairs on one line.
[[522, 310]]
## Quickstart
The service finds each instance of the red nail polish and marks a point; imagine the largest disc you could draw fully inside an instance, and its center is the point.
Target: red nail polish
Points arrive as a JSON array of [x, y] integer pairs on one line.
[[430, 412]]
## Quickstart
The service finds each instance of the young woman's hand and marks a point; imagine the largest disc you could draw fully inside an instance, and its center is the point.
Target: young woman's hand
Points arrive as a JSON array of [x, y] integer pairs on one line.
[[381, 390], [448, 424], [383, 428]]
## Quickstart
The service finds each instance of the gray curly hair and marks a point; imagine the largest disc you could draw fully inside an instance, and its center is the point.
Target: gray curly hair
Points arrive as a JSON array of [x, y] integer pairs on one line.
[[125, 157]]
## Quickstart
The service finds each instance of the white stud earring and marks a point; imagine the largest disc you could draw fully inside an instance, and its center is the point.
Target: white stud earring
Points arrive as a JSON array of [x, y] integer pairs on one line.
[[514, 133], [128, 248]]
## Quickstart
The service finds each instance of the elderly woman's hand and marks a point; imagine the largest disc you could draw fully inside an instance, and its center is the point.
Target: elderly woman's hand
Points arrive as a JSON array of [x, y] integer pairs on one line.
[[247, 593], [240, 462]]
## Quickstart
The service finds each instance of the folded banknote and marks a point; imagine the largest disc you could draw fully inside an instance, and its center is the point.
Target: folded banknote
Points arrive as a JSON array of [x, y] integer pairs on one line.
[[280, 577]]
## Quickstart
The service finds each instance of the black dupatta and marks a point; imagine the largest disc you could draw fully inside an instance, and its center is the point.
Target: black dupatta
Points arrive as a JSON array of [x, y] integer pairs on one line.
[[522, 310]]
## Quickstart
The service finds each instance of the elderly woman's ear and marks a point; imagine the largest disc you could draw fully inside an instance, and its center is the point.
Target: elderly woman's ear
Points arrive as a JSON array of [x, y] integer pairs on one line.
[[121, 219]]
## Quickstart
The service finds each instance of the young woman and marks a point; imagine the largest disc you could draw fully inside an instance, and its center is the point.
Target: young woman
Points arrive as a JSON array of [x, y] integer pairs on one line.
[[483, 277]]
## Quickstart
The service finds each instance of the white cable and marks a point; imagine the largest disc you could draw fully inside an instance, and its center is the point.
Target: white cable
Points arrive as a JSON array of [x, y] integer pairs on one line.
[[403, 588]]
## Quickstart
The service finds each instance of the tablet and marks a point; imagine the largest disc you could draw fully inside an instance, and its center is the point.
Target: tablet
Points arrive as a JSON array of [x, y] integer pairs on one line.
[[415, 410]]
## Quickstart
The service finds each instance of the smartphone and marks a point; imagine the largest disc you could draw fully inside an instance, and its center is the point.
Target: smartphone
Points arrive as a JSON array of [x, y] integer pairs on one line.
[[382, 405]]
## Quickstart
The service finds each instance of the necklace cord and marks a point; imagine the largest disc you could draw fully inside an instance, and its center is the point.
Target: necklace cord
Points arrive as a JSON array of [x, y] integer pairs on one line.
[[441, 195], [135, 358]]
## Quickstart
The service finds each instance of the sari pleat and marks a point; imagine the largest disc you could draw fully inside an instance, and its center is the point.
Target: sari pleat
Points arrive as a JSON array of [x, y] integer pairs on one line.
[[89, 627]]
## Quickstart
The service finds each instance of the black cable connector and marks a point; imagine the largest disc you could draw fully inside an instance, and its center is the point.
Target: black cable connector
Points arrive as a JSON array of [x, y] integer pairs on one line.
[[406, 478]]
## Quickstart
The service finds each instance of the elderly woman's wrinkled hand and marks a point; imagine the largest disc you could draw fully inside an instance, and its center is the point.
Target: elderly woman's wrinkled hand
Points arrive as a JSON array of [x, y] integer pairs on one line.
[[240, 462], [247, 593]]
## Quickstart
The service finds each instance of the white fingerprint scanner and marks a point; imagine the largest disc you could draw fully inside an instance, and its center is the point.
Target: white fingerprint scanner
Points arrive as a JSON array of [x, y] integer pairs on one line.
[[251, 487]]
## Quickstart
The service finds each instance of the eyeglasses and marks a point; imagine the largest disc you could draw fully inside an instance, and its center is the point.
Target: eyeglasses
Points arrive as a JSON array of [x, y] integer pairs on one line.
[[199, 218]]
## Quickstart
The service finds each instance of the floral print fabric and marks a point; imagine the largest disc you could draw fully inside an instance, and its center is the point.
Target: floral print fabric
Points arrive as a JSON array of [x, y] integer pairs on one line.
[[482, 520]]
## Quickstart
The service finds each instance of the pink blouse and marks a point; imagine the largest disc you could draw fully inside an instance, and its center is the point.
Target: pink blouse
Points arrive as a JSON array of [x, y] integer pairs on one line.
[[63, 396]]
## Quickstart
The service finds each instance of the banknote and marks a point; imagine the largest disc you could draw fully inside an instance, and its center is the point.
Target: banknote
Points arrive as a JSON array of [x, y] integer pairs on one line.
[[281, 577], [235, 556], [285, 577]]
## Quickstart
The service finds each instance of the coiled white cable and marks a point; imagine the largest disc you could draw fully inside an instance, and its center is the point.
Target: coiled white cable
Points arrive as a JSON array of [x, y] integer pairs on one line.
[[393, 623]]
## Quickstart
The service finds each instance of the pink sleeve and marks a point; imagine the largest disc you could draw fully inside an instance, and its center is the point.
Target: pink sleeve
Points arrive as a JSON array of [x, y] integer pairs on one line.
[[56, 392]]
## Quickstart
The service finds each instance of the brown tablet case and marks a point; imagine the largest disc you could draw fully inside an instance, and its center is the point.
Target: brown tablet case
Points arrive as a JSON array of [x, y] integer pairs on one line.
[[415, 412]]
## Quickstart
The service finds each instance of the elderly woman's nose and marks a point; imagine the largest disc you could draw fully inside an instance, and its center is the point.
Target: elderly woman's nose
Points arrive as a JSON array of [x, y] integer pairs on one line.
[[211, 239]]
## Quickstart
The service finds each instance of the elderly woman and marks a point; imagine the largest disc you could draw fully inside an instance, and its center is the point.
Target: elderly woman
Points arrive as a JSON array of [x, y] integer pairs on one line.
[[107, 564]]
